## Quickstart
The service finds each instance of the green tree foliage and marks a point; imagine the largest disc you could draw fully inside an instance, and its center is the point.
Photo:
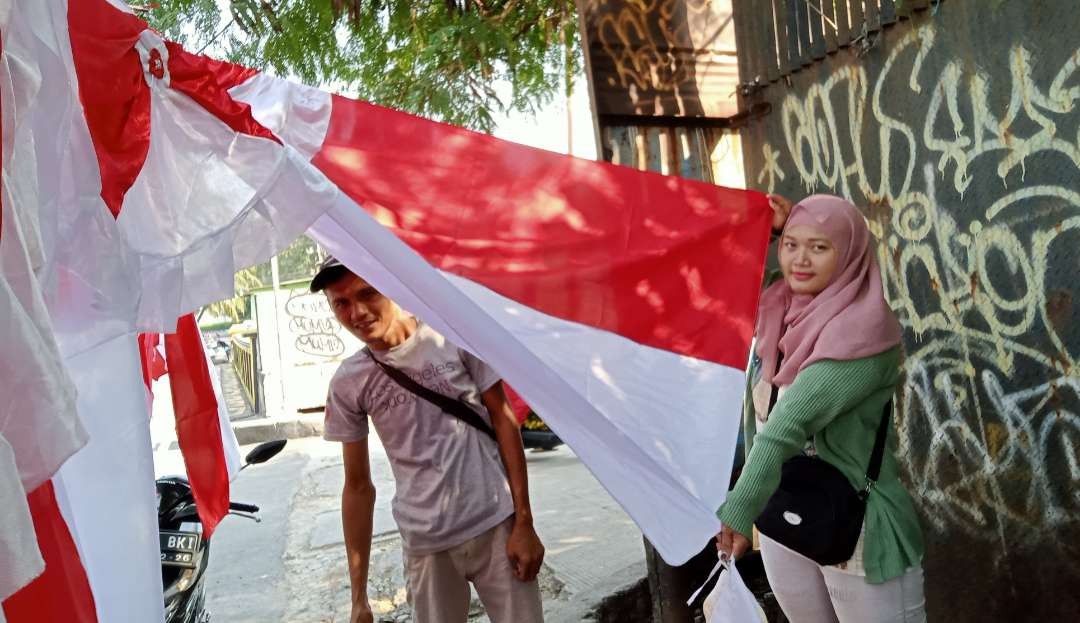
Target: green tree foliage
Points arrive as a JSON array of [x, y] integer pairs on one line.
[[296, 262], [439, 59]]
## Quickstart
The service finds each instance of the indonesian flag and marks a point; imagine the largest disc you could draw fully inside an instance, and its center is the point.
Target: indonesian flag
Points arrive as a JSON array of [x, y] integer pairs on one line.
[[198, 414], [619, 304]]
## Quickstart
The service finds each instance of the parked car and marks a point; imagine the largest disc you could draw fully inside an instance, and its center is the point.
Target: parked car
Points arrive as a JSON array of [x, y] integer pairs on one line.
[[535, 434]]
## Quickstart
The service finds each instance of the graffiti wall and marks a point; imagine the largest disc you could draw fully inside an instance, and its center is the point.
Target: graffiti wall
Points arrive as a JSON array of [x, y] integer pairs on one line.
[[958, 132], [660, 57], [300, 347], [314, 332]]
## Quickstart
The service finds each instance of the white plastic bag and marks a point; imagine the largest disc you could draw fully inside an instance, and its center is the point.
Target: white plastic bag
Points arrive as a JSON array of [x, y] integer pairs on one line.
[[730, 601]]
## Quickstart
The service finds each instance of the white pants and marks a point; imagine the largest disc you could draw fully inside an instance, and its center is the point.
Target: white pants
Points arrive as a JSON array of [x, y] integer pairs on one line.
[[811, 593]]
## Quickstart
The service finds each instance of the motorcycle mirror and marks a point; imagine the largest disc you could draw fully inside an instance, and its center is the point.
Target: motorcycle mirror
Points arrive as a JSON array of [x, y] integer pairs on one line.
[[264, 452]]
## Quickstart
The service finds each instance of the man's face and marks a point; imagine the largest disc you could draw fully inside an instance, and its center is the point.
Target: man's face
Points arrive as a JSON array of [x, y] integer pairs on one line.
[[361, 309]]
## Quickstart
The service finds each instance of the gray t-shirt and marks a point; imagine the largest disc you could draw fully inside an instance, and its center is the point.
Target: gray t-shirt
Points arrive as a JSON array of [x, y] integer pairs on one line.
[[451, 482]]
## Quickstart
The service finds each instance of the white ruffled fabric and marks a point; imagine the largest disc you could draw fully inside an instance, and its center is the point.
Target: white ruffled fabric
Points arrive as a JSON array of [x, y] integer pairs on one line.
[[39, 426], [208, 202], [76, 285], [18, 542]]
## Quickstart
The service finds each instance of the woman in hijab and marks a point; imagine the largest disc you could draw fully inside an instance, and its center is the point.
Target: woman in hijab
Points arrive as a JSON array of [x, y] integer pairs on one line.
[[837, 343]]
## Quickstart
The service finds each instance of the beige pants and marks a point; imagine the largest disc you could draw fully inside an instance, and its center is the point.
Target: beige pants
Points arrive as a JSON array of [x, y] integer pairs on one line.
[[438, 584]]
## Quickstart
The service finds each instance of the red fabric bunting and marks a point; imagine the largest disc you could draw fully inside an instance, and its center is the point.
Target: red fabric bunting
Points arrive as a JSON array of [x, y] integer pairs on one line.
[[198, 428], [61, 592], [114, 93]]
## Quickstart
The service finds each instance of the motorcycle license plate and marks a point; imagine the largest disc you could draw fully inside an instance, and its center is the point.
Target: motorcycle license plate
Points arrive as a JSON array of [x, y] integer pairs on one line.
[[179, 549]]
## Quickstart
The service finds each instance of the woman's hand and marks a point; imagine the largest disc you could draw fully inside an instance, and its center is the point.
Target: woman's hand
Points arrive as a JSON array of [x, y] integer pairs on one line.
[[731, 544], [781, 209]]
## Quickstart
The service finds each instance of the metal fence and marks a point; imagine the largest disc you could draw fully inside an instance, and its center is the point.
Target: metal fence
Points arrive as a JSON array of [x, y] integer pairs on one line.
[[779, 37], [668, 150], [711, 154], [245, 360]]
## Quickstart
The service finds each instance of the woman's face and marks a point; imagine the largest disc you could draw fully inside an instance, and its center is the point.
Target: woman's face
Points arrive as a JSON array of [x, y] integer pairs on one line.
[[808, 259]]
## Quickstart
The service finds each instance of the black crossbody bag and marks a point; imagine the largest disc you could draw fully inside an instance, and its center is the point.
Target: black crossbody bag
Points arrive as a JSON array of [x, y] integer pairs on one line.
[[454, 407], [815, 511]]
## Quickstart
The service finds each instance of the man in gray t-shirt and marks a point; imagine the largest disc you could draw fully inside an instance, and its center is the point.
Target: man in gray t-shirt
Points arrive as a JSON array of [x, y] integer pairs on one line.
[[462, 500]]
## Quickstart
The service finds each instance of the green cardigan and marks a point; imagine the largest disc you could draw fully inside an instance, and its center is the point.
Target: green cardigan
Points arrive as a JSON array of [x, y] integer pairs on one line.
[[839, 403]]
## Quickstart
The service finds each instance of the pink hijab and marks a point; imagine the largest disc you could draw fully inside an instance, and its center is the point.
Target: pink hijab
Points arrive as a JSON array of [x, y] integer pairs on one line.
[[849, 319]]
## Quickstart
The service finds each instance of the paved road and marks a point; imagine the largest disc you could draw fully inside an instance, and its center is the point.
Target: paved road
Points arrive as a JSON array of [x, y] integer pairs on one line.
[[291, 567], [233, 393]]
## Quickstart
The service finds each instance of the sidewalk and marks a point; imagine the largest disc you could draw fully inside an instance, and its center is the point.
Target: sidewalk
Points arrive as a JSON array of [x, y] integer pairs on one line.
[[593, 549], [254, 428]]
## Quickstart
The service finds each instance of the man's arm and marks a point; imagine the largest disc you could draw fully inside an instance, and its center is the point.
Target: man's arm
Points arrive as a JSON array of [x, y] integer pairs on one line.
[[524, 548], [357, 516]]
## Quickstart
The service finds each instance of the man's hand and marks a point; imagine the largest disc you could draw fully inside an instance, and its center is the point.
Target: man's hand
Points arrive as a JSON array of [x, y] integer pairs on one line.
[[523, 548], [731, 544], [361, 612], [525, 551], [781, 209]]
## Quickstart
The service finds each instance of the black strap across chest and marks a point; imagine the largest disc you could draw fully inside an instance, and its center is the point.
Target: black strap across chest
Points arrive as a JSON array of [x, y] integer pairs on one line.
[[454, 407]]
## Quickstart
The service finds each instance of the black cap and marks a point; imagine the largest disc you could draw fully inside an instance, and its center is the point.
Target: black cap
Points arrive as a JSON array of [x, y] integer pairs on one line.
[[329, 271]]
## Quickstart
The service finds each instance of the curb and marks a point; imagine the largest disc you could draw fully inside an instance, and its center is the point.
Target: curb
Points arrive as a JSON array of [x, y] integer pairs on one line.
[[623, 598], [268, 429]]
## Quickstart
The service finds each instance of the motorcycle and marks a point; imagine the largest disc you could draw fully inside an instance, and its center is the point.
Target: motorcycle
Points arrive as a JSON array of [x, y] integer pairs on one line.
[[185, 554]]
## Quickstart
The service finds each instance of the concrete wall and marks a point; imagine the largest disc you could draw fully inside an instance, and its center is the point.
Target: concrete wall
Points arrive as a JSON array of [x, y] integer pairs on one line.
[[300, 347], [958, 132]]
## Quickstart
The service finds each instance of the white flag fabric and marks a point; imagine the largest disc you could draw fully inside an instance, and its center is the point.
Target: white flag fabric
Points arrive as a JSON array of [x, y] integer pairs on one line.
[[18, 541]]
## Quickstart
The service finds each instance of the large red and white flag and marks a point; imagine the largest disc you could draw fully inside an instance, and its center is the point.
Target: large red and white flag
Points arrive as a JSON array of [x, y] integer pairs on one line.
[[619, 304], [207, 442]]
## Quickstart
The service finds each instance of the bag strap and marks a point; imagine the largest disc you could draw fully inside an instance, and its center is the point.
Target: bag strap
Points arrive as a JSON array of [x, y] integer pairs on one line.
[[775, 389], [454, 407], [878, 453], [873, 470]]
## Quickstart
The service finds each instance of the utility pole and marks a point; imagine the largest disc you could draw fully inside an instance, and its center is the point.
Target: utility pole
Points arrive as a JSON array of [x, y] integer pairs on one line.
[[670, 587], [568, 78], [275, 277]]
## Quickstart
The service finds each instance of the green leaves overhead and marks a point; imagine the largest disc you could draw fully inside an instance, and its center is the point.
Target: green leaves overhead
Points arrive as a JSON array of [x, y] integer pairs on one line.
[[459, 61]]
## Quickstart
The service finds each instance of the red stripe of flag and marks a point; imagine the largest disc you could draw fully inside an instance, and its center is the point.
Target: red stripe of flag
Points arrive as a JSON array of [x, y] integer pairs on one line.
[[198, 429], [153, 364], [207, 81], [114, 94], [663, 261], [62, 592]]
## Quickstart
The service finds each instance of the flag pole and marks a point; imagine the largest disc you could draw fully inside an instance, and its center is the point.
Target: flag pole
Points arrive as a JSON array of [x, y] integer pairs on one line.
[[275, 277]]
